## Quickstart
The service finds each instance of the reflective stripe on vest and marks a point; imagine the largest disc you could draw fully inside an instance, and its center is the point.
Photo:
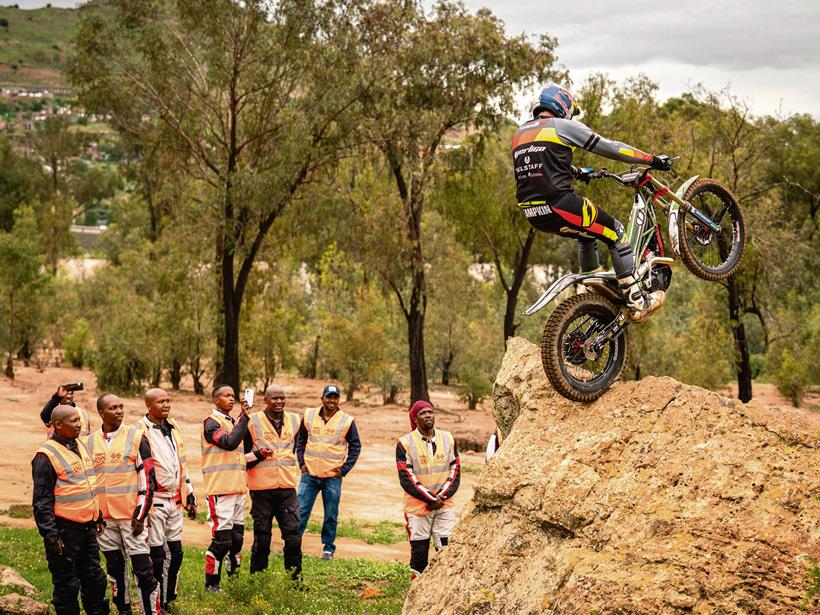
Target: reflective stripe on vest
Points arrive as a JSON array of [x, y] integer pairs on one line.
[[115, 466], [280, 470], [74, 497], [223, 471], [431, 472], [326, 447]]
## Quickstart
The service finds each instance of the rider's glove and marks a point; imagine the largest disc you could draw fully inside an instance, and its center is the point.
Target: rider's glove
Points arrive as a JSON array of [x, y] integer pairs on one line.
[[582, 174], [662, 163]]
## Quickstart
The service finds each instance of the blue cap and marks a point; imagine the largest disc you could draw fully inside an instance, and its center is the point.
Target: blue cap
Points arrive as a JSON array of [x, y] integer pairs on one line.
[[331, 389]]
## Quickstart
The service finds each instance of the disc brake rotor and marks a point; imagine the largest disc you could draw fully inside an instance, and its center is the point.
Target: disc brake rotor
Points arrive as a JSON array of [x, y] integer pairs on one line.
[[574, 345]]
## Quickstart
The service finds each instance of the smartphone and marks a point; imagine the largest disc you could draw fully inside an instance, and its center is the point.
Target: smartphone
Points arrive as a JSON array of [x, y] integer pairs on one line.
[[249, 397], [73, 386]]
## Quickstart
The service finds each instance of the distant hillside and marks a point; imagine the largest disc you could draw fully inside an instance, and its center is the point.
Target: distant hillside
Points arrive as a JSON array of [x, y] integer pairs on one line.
[[35, 46]]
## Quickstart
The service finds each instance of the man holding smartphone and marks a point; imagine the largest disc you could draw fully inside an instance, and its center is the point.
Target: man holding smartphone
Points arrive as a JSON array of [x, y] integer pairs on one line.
[[226, 483], [65, 397], [68, 516], [173, 488]]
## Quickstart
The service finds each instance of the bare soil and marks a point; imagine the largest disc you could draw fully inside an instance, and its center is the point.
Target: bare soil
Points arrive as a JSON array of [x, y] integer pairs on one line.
[[371, 492]]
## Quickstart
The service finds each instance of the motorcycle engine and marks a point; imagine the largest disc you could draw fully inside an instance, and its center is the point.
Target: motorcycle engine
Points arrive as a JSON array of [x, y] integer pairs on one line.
[[661, 277]]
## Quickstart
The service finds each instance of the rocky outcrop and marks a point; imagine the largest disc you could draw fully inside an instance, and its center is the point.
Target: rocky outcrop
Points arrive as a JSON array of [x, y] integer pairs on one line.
[[657, 498]]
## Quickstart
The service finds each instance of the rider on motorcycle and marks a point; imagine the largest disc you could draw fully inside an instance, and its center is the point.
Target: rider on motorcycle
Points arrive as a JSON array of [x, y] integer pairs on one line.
[[542, 157]]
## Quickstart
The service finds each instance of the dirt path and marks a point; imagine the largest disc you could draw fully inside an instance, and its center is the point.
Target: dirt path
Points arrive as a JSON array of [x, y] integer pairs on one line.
[[370, 492]]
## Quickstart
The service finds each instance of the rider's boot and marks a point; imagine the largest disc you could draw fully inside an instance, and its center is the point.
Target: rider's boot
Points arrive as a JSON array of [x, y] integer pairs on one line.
[[639, 303]]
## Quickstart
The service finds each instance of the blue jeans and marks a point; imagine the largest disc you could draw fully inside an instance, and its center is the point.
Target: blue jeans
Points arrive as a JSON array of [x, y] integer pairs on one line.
[[331, 488]]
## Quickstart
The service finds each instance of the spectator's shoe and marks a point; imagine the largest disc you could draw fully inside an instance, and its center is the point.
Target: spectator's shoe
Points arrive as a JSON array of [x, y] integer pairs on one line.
[[327, 556], [214, 589]]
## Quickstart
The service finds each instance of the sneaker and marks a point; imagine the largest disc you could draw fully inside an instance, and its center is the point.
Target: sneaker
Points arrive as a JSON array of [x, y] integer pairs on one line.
[[327, 556], [214, 589]]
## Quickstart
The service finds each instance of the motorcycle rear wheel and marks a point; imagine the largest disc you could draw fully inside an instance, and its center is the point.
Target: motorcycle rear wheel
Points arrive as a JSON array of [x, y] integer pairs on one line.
[[572, 373], [712, 256]]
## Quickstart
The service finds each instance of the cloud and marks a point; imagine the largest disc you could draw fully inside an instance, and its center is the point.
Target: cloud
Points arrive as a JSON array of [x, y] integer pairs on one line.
[[768, 50]]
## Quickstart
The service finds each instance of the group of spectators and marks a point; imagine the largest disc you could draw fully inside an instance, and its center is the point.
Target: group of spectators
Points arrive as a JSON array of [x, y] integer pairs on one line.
[[124, 490]]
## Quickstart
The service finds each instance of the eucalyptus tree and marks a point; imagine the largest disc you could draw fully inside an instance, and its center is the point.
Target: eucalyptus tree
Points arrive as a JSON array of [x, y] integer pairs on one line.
[[450, 72], [252, 99]]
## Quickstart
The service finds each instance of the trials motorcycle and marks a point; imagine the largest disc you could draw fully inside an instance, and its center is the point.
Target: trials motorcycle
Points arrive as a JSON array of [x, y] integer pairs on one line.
[[584, 346]]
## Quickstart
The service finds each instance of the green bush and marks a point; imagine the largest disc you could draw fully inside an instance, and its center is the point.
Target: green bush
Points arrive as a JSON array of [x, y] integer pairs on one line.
[[78, 345]]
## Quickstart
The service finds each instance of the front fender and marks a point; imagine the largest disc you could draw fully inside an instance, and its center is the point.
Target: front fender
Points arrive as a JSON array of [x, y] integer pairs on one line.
[[674, 214]]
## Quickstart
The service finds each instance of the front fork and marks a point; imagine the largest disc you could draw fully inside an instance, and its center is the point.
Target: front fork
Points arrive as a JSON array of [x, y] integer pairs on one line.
[[594, 345]]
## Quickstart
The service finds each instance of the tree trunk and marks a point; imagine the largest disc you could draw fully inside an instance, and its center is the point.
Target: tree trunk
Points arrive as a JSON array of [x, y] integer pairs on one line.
[[519, 275], [742, 358], [391, 396], [445, 369], [175, 374], [156, 377], [418, 370], [9, 367], [313, 364]]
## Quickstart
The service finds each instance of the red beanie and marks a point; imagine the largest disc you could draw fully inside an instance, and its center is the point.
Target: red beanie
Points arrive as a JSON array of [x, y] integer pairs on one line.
[[418, 407]]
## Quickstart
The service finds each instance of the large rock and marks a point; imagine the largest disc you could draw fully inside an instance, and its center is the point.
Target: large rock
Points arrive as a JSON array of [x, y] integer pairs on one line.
[[658, 498]]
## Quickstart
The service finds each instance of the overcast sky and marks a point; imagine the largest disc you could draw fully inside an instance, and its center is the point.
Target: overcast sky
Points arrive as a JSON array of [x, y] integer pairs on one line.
[[768, 52]]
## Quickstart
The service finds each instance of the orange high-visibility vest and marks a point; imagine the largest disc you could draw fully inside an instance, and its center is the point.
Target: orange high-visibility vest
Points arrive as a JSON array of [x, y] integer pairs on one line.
[[115, 466], [85, 426], [280, 470], [223, 471], [74, 493], [431, 472], [326, 447], [183, 460]]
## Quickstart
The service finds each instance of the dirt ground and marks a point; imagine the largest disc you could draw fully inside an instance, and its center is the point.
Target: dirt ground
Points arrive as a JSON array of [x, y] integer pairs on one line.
[[371, 491]]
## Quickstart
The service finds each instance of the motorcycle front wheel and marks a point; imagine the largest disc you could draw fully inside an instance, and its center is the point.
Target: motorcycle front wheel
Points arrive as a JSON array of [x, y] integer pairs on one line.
[[576, 371], [709, 255]]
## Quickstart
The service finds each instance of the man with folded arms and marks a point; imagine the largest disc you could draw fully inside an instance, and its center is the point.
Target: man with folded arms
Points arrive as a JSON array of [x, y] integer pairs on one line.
[[272, 482]]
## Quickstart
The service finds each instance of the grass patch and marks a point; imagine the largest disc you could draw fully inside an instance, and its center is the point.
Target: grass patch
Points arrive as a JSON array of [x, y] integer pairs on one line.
[[812, 585], [471, 469], [354, 586], [383, 532]]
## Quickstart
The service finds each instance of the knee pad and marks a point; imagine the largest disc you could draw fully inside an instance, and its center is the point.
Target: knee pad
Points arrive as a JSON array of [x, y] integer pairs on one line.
[[221, 543], [143, 570], [157, 555], [114, 560], [175, 548]]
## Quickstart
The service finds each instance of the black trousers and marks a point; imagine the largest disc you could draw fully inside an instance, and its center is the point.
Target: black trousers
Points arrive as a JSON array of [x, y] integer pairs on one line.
[[576, 217], [77, 571], [282, 504]]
